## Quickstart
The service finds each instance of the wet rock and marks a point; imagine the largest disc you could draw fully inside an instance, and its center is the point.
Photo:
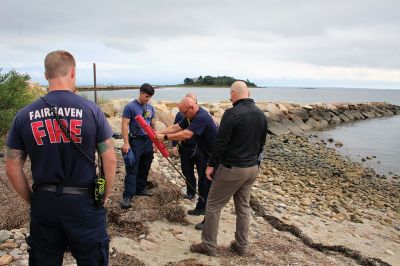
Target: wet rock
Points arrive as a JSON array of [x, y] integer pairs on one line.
[[338, 144]]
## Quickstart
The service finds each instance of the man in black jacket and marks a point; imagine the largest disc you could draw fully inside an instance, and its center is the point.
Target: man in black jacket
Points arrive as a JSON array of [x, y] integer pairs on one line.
[[235, 157]]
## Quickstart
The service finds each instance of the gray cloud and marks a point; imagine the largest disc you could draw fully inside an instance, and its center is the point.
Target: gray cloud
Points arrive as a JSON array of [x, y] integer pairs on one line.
[[341, 33]]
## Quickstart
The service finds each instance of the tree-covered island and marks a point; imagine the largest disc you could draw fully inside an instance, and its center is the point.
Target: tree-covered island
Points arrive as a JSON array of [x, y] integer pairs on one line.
[[223, 81]]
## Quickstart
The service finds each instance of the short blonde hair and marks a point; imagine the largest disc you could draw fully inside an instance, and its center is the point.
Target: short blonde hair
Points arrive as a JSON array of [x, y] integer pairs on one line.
[[58, 63]]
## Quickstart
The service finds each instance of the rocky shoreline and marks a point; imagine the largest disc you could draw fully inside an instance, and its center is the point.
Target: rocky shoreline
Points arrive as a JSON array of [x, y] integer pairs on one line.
[[304, 185]]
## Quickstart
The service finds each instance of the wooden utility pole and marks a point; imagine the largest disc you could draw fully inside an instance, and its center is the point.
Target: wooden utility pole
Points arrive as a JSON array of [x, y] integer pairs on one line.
[[94, 79]]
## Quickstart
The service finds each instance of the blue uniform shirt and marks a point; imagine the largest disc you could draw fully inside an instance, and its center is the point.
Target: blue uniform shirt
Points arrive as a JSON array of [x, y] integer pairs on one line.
[[189, 142], [133, 109], [53, 158], [204, 128]]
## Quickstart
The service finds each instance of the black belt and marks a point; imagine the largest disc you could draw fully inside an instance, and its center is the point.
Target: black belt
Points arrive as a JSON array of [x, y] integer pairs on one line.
[[63, 190], [138, 136]]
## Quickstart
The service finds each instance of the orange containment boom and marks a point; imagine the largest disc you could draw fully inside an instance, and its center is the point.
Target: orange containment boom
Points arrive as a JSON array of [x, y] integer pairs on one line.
[[152, 135]]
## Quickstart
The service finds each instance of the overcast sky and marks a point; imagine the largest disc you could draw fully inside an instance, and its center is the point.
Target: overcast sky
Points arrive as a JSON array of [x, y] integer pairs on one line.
[[347, 43]]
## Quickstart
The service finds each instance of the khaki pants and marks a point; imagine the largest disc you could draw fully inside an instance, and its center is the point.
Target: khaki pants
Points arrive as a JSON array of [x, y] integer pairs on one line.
[[228, 182]]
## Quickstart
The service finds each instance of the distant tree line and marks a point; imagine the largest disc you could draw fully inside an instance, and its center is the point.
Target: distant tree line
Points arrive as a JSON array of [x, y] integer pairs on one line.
[[214, 81]]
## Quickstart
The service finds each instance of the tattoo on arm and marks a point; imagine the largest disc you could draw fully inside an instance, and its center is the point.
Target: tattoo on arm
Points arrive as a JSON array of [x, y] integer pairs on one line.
[[14, 154], [105, 145]]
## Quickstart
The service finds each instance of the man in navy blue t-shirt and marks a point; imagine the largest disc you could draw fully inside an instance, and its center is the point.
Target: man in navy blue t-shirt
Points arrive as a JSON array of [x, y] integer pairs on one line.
[[136, 138], [62, 207], [187, 150], [200, 125]]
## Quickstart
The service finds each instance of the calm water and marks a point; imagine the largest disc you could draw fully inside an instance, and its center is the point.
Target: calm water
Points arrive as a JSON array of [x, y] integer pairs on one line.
[[376, 137], [295, 95]]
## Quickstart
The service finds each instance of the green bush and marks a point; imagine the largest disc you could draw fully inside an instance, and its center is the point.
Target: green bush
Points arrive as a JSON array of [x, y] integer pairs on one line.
[[14, 94]]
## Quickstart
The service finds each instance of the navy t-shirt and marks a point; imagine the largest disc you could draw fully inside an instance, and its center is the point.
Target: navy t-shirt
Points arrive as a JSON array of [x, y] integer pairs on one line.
[[189, 142], [133, 109], [204, 128], [53, 158]]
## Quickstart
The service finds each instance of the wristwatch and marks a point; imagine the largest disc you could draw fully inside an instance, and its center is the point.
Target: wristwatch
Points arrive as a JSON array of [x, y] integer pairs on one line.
[[166, 137]]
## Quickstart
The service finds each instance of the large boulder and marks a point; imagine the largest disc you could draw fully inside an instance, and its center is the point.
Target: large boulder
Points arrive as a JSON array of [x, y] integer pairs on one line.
[[323, 124], [277, 128], [165, 117], [344, 117], [283, 108], [335, 119], [295, 129], [315, 114], [312, 123], [299, 122], [274, 112], [325, 114], [119, 105], [108, 109], [368, 114], [174, 111], [300, 112], [349, 114]]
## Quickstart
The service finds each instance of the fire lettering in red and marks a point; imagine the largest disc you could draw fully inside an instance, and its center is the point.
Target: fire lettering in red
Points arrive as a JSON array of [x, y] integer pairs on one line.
[[37, 132], [75, 129]]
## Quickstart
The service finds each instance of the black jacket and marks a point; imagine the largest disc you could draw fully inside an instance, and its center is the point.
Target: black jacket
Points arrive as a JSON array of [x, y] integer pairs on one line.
[[241, 136]]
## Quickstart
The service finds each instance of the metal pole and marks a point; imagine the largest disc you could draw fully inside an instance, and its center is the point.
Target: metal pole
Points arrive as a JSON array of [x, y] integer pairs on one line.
[[179, 172], [94, 79]]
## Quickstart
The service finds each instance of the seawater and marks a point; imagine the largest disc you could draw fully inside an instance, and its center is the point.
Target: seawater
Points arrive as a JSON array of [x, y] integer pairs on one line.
[[292, 95], [375, 137]]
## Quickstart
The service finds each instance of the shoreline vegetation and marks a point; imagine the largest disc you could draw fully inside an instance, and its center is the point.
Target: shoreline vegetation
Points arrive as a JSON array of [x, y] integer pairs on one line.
[[206, 81]]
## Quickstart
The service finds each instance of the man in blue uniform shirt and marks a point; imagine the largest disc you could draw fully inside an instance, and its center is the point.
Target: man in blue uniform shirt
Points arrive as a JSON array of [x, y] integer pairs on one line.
[[135, 138], [62, 206], [189, 157], [200, 125]]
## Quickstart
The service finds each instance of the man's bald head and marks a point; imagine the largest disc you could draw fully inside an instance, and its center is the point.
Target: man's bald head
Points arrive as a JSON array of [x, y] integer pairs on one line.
[[188, 107], [239, 90], [191, 95], [58, 63]]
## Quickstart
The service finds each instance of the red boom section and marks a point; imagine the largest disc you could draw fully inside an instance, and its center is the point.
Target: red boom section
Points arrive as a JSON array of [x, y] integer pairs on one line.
[[152, 135]]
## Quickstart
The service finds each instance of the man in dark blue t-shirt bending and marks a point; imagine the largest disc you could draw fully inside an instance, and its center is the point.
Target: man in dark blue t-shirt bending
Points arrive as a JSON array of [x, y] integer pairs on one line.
[[200, 125]]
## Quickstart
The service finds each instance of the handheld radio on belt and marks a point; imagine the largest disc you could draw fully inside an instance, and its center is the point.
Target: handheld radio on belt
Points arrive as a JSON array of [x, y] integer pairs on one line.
[[160, 146], [100, 181]]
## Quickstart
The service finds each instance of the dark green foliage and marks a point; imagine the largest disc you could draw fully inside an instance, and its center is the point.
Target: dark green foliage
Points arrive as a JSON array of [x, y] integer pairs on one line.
[[14, 95], [188, 81], [223, 81]]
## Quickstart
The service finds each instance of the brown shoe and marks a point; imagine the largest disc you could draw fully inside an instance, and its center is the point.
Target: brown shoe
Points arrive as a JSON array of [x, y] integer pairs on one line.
[[200, 248], [236, 249]]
